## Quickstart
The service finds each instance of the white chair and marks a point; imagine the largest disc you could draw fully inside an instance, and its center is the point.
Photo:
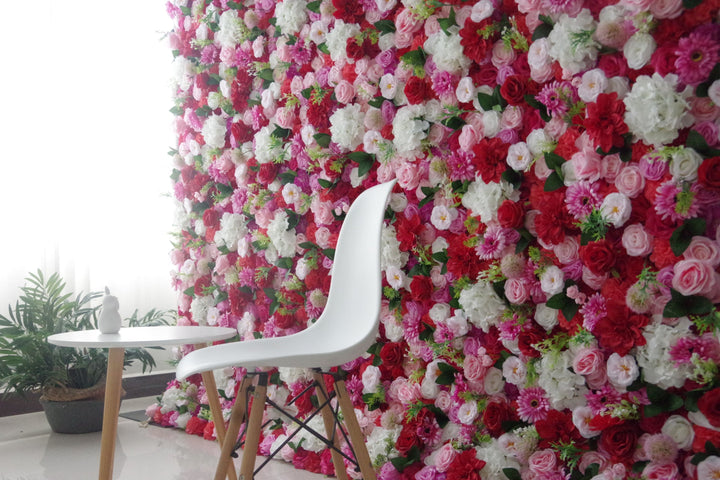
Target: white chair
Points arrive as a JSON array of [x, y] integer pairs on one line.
[[344, 331]]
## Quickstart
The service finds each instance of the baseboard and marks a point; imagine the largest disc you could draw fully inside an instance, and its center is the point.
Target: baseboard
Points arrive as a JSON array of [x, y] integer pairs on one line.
[[135, 387]]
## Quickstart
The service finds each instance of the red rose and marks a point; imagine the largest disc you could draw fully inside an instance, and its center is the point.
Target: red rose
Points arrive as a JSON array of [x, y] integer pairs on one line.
[[619, 442], [407, 439], [709, 173], [530, 336], [353, 49], [267, 173], [392, 353], [702, 436], [416, 90], [709, 405], [484, 74], [495, 414], [598, 256], [513, 90], [510, 214], [465, 466]]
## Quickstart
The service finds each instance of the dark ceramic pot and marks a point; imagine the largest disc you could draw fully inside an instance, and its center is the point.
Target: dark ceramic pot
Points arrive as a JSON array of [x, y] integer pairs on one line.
[[79, 416]]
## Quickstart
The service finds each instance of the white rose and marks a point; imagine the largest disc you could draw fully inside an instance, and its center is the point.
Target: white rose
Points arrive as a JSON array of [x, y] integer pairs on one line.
[[514, 370], [439, 312], [684, 164], [442, 217], [679, 429], [638, 50], [519, 157], [493, 382], [622, 371], [481, 10], [552, 281], [545, 316], [592, 84], [371, 379], [467, 412], [465, 91]]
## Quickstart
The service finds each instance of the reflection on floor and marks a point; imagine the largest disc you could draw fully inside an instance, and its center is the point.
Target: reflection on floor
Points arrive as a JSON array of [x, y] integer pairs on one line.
[[30, 451]]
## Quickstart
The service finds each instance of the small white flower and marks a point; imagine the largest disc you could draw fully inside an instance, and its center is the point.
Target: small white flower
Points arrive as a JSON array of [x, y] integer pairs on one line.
[[447, 52], [467, 412], [318, 31], [592, 84], [465, 91], [481, 305], [616, 208], [679, 429], [388, 86], [552, 280], [514, 371], [291, 193], [385, 5], [442, 217], [622, 371], [409, 128], [519, 157], [371, 379], [395, 277]]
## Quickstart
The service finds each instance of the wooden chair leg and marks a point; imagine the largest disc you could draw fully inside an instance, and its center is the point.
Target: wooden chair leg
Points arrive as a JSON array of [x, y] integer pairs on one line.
[[252, 437], [329, 420], [237, 417], [216, 411], [356, 435]]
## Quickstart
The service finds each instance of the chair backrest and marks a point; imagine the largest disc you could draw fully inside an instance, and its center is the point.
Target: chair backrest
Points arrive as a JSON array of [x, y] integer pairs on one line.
[[349, 322]]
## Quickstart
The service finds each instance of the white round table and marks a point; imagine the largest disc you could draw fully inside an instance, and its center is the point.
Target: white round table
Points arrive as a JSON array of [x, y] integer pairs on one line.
[[141, 337]]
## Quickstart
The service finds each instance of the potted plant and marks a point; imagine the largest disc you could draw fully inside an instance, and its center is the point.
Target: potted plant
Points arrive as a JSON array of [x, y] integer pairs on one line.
[[68, 379]]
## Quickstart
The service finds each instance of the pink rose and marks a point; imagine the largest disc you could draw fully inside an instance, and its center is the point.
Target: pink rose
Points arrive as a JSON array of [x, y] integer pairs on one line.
[[322, 237], [587, 361], [666, 8], [444, 401], [403, 39], [344, 92], [591, 457], [511, 118], [474, 368], [407, 175], [630, 181], [542, 461], [637, 241], [444, 457], [567, 251], [408, 393], [611, 165], [666, 471], [693, 277], [516, 291], [432, 25], [587, 165], [703, 249], [467, 138], [407, 22]]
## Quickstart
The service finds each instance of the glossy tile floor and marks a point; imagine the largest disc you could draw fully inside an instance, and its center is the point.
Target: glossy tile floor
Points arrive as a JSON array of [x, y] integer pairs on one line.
[[29, 450]]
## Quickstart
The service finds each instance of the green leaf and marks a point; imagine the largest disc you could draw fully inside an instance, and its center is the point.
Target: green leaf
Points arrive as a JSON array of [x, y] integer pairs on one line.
[[324, 48], [570, 309], [325, 183], [364, 160], [266, 74], [558, 301], [688, 4], [680, 305], [287, 176], [453, 123], [385, 26], [293, 218], [447, 23], [284, 262], [682, 236], [512, 474], [554, 161], [525, 239], [314, 6], [697, 142], [486, 101], [322, 139], [512, 177], [415, 58], [329, 253], [542, 31], [280, 132], [441, 257], [539, 106], [554, 182], [377, 102], [691, 399]]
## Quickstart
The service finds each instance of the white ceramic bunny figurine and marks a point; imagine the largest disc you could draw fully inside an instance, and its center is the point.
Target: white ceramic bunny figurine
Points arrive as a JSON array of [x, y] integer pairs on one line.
[[110, 320]]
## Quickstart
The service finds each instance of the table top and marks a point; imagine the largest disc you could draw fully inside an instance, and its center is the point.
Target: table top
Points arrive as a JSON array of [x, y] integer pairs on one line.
[[142, 336]]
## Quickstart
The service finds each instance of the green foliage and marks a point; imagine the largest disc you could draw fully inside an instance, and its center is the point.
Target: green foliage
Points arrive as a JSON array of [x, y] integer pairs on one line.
[[29, 363]]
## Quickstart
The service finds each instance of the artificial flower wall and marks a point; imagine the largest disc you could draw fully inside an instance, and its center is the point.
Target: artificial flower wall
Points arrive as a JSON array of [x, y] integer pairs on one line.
[[551, 251]]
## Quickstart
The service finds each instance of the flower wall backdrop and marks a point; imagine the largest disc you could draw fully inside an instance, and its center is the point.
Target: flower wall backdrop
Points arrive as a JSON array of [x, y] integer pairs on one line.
[[551, 254]]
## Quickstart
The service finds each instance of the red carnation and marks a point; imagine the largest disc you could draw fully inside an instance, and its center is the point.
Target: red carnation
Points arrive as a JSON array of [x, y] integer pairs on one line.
[[417, 90], [349, 11], [407, 439], [195, 426], [465, 466], [620, 330], [489, 161], [557, 427], [605, 121], [353, 49], [478, 39], [421, 288]]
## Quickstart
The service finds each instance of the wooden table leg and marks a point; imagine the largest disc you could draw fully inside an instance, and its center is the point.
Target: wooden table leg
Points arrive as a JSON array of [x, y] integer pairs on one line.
[[217, 416], [113, 389]]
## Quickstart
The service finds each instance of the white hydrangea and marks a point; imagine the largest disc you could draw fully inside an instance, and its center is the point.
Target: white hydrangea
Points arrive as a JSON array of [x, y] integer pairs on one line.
[[282, 238], [214, 130], [381, 444], [294, 375], [481, 305], [232, 229], [391, 254], [231, 30], [447, 52], [496, 459], [572, 44], [347, 126], [484, 199], [655, 111], [336, 39], [290, 16], [409, 128], [309, 441], [199, 308], [565, 388], [654, 357], [267, 148]]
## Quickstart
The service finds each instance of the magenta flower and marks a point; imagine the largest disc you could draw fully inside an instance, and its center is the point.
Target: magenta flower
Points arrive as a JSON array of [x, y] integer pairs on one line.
[[697, 54], [533, 405]]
